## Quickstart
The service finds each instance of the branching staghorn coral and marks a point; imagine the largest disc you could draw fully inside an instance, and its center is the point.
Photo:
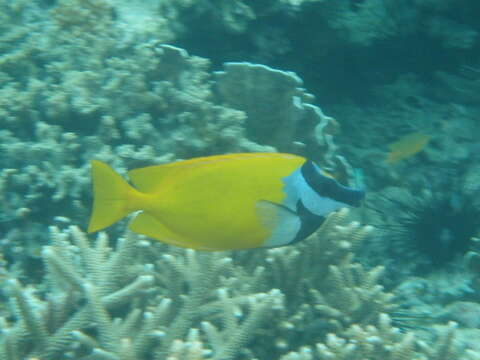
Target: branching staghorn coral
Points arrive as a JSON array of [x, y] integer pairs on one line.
[[384, 342], [325, 289], [103, 303], [81, 285], [217, 291], [142, 301]]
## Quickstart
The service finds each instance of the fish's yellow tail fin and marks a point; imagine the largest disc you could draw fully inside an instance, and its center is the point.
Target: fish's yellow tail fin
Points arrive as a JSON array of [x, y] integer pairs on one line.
[[112, 197]]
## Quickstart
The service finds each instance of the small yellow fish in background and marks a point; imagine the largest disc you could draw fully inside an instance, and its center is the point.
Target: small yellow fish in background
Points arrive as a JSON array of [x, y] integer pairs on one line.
[[407, 146], [223, 202]]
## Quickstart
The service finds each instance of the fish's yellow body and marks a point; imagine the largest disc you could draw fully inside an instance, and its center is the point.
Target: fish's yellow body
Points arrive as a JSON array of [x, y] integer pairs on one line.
[[223, 202], [205, 203]]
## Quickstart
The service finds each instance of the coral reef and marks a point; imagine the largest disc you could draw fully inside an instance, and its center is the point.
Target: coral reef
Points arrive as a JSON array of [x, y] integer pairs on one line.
[[107, 91], [96, 79]]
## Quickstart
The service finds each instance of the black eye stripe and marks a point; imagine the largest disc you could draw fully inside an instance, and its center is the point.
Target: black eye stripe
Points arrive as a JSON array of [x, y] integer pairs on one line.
[[328, 187]]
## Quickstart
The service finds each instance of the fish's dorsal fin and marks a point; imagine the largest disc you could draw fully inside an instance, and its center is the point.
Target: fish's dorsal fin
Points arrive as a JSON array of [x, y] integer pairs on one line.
[[149, 179], [283, 222]]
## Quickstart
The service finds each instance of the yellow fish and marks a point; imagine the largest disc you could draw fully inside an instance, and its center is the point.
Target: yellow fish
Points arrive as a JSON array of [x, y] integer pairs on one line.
[[223, 202], [407, 146]]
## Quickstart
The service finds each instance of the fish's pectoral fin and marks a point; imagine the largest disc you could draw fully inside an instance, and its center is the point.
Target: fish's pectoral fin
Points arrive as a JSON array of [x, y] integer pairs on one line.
[[283, 223], [270, 213]]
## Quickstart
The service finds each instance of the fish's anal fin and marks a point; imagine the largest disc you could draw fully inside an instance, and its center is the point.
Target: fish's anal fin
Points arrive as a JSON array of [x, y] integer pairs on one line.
[[282, 222], [148, 225]]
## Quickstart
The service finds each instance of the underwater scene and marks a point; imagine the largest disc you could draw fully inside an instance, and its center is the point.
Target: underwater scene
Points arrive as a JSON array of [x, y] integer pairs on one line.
[[240, 179]]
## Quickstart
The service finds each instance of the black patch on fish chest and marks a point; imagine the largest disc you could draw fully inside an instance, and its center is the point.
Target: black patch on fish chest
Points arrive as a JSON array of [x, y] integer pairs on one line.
[[309, 222], [328, 187]]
